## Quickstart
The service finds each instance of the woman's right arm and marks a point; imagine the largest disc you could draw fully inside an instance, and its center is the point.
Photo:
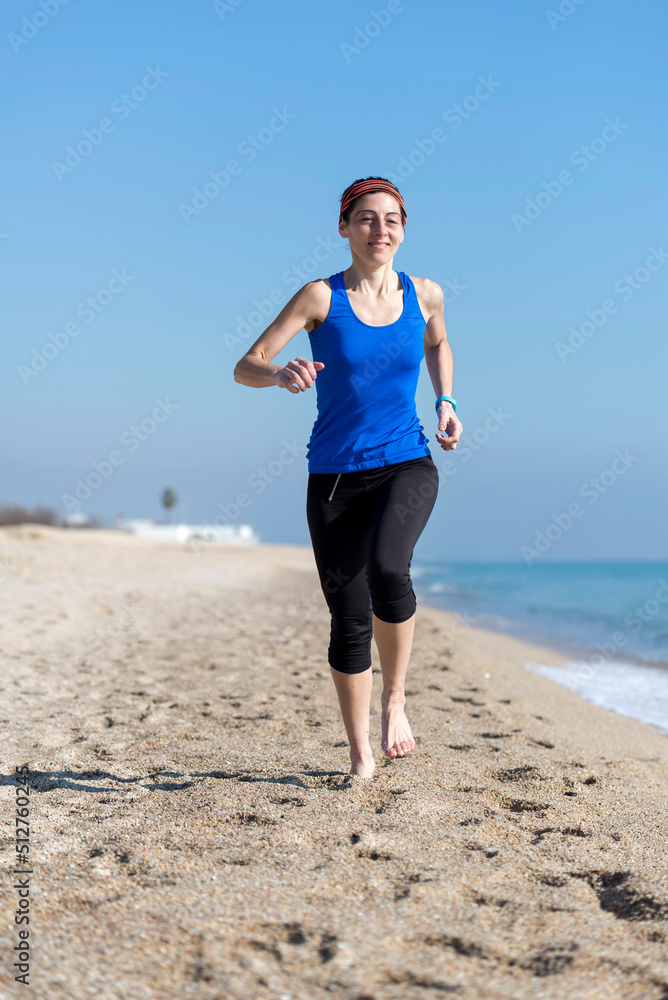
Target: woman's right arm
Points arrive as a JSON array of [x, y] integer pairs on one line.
[[255, 368]]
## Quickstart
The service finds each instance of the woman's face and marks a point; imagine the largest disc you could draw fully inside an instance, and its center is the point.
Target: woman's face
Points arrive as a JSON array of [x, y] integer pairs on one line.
[[374, 228]]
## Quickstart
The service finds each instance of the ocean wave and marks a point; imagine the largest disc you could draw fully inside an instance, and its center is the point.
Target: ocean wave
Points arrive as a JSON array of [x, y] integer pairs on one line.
[[631, 689]]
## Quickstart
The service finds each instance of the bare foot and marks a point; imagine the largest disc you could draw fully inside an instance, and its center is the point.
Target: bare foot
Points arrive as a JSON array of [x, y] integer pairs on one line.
[[396, 736], [362, 763]]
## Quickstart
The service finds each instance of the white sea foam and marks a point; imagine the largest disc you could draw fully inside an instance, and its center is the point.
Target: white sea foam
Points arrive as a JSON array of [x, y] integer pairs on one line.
[[438, 587], [640, 692]]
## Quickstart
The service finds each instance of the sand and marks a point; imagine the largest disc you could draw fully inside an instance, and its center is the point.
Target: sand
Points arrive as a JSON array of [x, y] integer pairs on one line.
[[194, 831]]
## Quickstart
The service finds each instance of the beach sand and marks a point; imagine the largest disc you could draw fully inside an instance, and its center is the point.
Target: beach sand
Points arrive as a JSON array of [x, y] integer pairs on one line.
[[194, 831]]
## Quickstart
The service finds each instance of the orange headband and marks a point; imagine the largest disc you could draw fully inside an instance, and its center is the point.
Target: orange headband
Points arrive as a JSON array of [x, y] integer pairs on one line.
[[366, 187]]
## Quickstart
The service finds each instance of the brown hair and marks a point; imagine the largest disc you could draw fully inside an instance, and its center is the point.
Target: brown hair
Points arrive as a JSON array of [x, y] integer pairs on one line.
[[365, 185]]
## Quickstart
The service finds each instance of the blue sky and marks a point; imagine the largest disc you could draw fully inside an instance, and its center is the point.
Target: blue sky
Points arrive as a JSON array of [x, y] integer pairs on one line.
[[128, 297]]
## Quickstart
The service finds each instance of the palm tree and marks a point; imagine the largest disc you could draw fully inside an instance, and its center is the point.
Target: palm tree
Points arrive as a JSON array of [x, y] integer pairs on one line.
[[168, 499]]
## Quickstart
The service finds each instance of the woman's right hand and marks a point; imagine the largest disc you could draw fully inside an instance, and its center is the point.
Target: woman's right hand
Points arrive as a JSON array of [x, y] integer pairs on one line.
[[298, 375]]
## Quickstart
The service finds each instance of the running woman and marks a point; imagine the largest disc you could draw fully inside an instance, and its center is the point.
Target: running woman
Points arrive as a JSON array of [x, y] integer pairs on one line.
[[372, 482]]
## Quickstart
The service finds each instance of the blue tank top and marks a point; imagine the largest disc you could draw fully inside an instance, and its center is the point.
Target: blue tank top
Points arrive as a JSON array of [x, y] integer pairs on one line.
[[366, 392]]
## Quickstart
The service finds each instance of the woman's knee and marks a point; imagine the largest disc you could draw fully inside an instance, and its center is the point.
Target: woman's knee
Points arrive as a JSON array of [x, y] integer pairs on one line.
[[387, 580], [350, 644], [392, 595], [395, 610]]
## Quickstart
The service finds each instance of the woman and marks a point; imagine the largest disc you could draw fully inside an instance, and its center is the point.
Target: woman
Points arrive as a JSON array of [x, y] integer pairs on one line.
[[372, 482]]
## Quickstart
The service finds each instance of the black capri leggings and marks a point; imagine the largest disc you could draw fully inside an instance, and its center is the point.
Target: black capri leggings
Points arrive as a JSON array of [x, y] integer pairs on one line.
[[364, 526]]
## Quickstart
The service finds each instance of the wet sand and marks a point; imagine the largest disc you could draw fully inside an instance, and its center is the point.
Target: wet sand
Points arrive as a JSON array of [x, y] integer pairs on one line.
[[194, 831]]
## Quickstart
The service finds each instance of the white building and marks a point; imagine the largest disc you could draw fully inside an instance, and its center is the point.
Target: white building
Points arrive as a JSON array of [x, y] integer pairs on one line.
[[224, 534], [75, 519]]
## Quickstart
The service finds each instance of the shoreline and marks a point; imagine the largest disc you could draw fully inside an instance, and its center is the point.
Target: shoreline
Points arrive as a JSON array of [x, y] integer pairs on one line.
[[568, 654], [564, 604], [581, 662], [195, 833], [569, 650]]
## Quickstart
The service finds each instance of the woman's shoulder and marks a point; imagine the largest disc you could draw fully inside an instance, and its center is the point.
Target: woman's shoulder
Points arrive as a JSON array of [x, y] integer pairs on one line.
[[429, 293], [315, 292], [318, 297]]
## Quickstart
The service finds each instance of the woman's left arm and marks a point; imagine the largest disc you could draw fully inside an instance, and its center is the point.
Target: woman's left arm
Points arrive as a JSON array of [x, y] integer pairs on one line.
[[438, 355]]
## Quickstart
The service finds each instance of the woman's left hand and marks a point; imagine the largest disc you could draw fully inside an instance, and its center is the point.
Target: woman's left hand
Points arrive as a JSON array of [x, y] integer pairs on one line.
[[449, 427]]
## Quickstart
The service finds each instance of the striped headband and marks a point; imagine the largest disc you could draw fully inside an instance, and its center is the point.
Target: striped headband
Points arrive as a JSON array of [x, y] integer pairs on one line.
[[366, 187]]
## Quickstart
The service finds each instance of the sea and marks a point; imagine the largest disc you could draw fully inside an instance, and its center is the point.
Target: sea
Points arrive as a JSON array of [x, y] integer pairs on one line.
[[608, 619]]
